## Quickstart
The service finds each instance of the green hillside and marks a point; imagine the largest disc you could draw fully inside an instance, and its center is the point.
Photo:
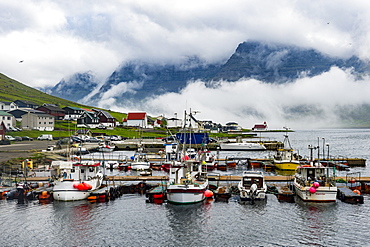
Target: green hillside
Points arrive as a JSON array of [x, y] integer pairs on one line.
[[11, 90]]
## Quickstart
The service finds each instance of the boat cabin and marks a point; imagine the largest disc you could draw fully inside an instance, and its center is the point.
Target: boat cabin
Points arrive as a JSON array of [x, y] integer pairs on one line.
[[307, 174], [249, 180], [69, 170]]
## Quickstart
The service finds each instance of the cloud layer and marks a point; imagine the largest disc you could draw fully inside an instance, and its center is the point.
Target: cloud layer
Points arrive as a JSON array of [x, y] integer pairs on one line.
[[305, 103], [58, 38]]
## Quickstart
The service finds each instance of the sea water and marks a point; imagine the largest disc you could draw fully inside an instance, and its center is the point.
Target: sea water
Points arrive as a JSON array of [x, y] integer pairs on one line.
[[130, 221]]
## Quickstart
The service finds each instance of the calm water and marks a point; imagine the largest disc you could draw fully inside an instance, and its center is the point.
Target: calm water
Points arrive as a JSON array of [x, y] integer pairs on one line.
[[130, 221]]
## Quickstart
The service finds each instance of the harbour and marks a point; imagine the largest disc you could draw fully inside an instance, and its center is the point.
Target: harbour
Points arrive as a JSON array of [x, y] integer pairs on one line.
[[131, 221]]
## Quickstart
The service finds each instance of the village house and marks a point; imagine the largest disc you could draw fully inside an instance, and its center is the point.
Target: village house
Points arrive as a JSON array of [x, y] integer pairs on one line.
[[2, 131], [174, 122], [136, 119], [105, 118], [53, 110], [26, 104], [38, 121], [7, 106], [260, 127], [88, 119], [72, 113], [18, 113], [231, 126], [8, 119]]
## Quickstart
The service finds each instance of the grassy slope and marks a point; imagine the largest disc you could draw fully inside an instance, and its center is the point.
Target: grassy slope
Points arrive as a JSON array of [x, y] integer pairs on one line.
[[11, 90]]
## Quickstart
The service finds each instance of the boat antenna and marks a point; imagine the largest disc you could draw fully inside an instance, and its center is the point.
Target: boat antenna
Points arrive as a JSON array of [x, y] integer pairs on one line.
[[286, 138]]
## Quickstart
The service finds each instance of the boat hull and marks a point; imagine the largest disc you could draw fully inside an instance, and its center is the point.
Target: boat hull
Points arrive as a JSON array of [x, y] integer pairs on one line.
[[179, 194], [322, 194], [286, 165], [70, 195], [245, 196], [66, 191]]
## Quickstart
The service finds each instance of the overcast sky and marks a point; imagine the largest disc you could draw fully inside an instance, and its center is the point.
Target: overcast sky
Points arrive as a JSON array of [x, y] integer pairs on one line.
[[55, 39]]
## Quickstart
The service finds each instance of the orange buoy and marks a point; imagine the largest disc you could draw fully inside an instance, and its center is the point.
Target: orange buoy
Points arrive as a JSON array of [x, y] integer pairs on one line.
[[158, 196], [208, 193], [357, 192], [92, 198]]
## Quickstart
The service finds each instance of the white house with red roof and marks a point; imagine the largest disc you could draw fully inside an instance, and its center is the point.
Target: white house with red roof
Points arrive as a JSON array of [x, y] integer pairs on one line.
[[260, 127], [136, 119]]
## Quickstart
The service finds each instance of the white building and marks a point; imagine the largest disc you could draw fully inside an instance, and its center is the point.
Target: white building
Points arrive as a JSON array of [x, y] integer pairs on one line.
[[7, 106], [136, 119], [8, 119]]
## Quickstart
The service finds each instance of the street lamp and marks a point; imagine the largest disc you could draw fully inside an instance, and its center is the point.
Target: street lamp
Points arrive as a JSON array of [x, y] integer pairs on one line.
[[323, 148], [327, 144]]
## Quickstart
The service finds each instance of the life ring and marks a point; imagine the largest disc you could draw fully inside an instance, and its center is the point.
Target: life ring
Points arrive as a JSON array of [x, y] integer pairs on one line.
[[76, 159]]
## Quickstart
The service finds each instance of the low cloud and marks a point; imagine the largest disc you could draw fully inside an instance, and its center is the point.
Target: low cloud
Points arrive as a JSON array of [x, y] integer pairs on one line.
[[305, 103], [58, 38]]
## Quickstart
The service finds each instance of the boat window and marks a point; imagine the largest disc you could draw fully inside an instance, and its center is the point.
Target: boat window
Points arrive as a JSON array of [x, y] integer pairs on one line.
[[247, 182], [82, 170], [73, 170], [91, 169]]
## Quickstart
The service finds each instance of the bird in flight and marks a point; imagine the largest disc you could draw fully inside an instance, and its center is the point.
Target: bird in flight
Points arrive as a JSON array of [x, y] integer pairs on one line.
[[21, 61]]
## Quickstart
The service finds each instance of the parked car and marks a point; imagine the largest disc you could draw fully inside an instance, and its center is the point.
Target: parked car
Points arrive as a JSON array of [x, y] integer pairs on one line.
[[92, 139], [76, 139], [101, 126], [10, 138], [18, 138], [169, 139], [115, 138], [26, 138], [45, 137]]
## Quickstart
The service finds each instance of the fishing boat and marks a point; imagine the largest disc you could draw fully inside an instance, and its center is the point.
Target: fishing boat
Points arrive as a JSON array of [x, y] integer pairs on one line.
[[315, 183], [286, 159], [188, 183], [208, 159], [75, 180], [243, 146], [252, 186], [140, 161]]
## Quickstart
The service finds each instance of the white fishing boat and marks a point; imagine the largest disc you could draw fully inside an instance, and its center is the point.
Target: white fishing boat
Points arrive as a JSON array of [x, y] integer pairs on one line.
[[315, 183], [188, 183], [252, 186], [242, 146], [75, 180], [140, 161]]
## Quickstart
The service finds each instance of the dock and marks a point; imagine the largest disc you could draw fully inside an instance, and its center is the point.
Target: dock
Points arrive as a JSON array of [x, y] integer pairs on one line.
[[228, 178], [347, 195]]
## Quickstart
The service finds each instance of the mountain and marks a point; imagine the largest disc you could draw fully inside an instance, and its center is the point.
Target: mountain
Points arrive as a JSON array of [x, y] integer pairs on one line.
[[75, 87], [271, 63], [277, 63]]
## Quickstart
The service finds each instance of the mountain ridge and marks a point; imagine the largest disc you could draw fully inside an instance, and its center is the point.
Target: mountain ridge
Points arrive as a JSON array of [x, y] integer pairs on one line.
[[270, 63]]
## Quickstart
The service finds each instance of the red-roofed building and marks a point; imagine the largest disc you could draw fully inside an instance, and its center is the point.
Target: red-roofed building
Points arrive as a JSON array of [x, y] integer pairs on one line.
[[260, 127], [137, 119]]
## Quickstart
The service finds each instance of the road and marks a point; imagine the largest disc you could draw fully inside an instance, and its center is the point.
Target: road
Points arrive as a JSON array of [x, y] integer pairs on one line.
[[22, 149]]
